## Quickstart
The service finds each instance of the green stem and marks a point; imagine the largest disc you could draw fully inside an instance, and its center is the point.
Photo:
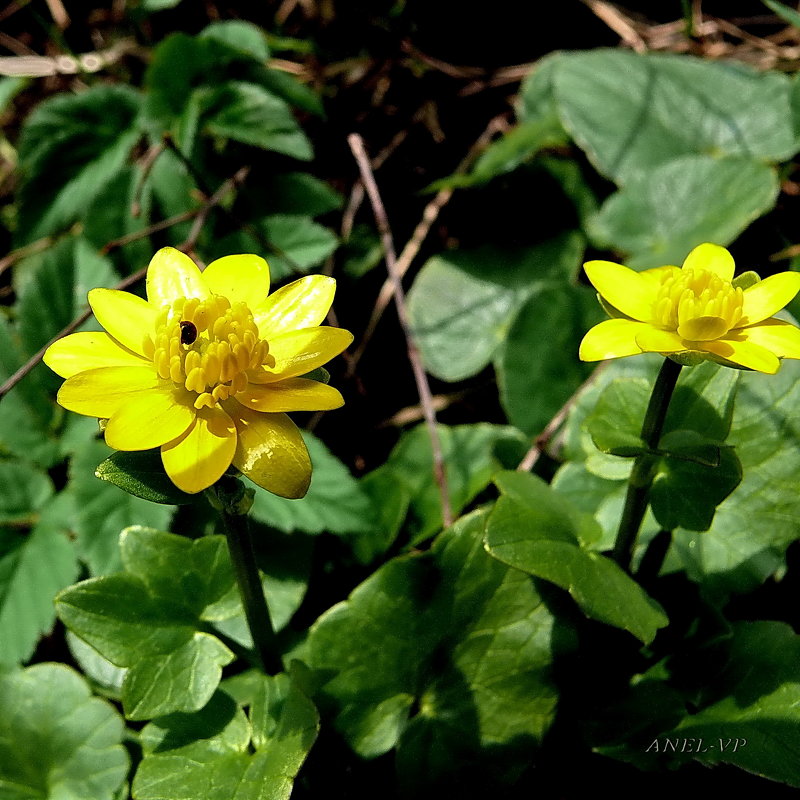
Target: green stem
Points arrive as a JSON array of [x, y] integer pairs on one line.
[[233, 502], [643, 472]]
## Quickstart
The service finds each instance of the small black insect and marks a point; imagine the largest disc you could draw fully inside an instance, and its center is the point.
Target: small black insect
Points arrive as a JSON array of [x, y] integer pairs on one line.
[[188, 332]]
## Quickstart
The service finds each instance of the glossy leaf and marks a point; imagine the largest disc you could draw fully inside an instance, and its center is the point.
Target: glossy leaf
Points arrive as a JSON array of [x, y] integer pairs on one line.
[[534, 529], [208, 754], [141, 474], [429, 644], [152, 619]]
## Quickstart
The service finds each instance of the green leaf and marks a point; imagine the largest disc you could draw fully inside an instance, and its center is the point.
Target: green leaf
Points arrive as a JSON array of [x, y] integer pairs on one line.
[[660, 215], [533, 529], [188, 756], [33, 568], [335, 501], [23, 490], [463, 302], [293, 193], [299, 242], [691, 446], [27, 418], [748, 715], [56, 740], [616, 421], [102, 510], [55, 294], [70, 147], [9, 89], [508, 152], [142, 474], [686, 494], [103, 675], [240, 36], [533, 389], [787, 14], [472, 454], [431, 644], [252, 115], [152, 619], [632, 113]]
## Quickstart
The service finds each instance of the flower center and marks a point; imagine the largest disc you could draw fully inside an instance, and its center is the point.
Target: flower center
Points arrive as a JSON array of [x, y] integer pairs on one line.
[[699, 305], [207, 346]]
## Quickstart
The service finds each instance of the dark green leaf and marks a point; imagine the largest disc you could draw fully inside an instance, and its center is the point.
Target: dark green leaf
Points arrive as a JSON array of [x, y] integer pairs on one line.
[[70, 147], [537, 366], [445, 639], [142, 474], [33, 567], [533, 529], [56, 740], [240, 36]]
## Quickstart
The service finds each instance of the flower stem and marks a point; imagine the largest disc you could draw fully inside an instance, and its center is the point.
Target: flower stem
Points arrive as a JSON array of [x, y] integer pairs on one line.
[[233, 501], [643, 472]]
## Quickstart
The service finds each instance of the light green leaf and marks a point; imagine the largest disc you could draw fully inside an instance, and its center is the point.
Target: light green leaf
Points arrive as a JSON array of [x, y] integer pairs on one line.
[[33, 568], [23, 490], [632, 113], [463, 302], [335, 501], [472, 454], [102, 510], [433, 645], [152, 619], [533, 529], [299, 242], [662, 214], [550, 324], [188, 756], [250, 114], [70, 147], [57, 742], [105, 677]]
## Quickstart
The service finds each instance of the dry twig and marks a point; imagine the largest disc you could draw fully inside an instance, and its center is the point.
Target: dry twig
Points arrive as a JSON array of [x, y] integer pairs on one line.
[[362, 159]]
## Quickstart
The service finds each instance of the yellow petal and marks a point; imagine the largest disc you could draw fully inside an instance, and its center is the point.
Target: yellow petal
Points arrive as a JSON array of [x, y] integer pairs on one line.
[[711, 258], [653, 340], [779, 337], [293, 394], [197, 459], [271, 452], [744, 353], [128, 318], [298, 352], [89, 350], [149, 420], [703, 329], [767, 297], [613, 338], [172, 274], [623, 288], [242, 278], [103, 391], [656, 276], [301, 304]]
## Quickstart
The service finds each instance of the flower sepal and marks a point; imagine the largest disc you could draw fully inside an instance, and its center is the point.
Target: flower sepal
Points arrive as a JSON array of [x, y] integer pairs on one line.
[[141, 473], [691, 358]]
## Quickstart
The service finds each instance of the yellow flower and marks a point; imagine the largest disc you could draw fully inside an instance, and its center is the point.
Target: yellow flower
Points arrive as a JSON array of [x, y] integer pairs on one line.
[[693, 313], [205, 369]]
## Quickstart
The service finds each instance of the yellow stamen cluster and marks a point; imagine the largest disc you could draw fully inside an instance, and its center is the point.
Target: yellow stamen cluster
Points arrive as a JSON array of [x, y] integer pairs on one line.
[[698, 304], [214, 365]]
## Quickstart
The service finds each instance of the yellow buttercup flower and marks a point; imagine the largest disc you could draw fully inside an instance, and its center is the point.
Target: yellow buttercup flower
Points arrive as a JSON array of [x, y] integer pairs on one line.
[[693, 312], [205, 369]]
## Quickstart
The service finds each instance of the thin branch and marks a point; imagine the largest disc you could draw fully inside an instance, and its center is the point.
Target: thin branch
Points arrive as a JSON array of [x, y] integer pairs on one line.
[[412, 248], [543, 439], [362, 159], [23, 252], [618, 23], [125, 283]]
